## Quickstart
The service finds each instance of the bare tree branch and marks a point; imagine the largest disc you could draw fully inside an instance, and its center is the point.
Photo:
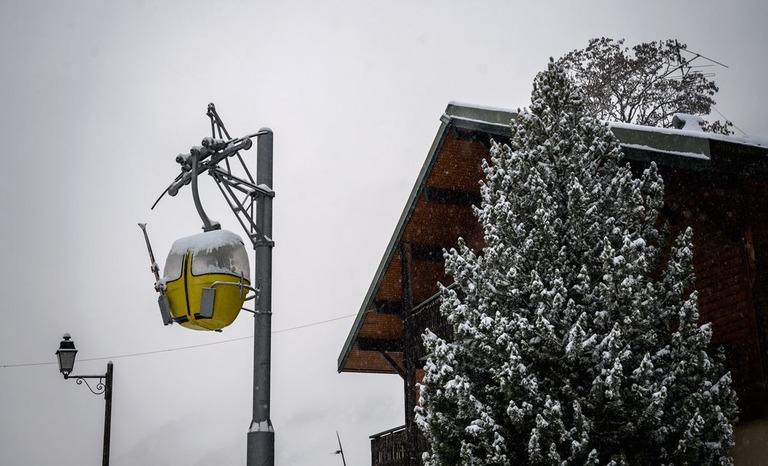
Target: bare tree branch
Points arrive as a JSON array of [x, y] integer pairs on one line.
[[641, 85]]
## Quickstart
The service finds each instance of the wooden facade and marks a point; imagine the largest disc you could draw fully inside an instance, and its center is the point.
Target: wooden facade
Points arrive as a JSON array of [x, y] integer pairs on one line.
[[716, 184]]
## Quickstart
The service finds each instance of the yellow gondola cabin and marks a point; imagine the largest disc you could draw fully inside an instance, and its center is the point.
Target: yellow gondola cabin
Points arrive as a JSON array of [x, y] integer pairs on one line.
[[205, 280]]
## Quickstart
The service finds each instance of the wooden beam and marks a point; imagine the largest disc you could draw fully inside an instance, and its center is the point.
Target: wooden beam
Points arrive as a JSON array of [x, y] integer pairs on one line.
[[388, 307], [377, 344], [394, 364], [452, 196], [409, 356], [427, 253]]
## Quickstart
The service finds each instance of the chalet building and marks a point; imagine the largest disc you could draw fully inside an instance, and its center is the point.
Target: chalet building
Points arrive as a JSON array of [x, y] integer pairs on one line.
[[716, 184]]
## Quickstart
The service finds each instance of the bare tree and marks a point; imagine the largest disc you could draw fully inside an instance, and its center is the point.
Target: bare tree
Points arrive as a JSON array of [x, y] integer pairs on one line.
[[646, 85]]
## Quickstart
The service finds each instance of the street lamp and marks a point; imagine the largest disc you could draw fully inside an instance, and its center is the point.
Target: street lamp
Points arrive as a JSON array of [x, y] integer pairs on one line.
[[66, 356]]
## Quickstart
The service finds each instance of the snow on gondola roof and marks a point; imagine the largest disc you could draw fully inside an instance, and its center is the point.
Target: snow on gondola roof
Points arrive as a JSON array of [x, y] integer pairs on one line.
[[205, 242]]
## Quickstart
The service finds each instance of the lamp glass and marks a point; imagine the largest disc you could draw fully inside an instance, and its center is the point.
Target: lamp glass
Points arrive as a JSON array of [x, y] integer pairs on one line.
[[66, 355], [66, 360]]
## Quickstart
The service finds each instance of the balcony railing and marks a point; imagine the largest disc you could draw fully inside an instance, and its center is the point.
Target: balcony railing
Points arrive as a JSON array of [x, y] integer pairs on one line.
[[388, 448]]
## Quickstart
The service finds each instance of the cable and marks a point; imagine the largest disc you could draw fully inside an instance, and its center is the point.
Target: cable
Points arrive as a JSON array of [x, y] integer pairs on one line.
[[313, 324], [181, 348], [726, 118]]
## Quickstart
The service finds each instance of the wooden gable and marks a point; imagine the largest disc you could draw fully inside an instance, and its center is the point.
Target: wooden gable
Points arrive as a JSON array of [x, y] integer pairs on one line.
[[716, 184]]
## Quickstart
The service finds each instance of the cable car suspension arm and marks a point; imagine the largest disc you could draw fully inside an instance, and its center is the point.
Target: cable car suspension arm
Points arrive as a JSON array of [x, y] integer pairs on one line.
[[217, 123], [217, 150], [243, 207], [242, 194]]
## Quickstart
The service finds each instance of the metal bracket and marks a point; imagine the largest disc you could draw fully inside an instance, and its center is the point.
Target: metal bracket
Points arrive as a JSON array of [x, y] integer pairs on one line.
[[165, 309], [100, 387]]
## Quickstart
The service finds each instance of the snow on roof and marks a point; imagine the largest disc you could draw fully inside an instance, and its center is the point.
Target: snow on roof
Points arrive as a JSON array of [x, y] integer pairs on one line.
[[695, 155], [690, 124], [482, 107], [746, 140], [482, 115], [687, 122], [207, 242]]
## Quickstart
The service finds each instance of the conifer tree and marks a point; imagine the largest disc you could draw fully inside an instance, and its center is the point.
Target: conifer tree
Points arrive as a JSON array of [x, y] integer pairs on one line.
[[576, 334]]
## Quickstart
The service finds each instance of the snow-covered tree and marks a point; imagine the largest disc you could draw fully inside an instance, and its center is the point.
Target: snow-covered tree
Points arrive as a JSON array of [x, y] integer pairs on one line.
[[576, 334], [646, 85]]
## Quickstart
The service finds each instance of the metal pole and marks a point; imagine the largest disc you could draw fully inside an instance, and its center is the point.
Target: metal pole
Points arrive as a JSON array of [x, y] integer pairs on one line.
[[261, 435], [107, 413]]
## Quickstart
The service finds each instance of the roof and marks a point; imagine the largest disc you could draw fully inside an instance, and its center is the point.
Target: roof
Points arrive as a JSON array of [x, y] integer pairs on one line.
[[438, 212]]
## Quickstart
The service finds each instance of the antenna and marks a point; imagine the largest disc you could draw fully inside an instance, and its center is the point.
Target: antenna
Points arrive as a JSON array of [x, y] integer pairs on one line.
[[340, 451], [698, 55], [685, 65]]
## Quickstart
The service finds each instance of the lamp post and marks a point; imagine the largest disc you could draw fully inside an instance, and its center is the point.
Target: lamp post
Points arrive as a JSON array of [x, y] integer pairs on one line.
[[261, 435], [66, 357]]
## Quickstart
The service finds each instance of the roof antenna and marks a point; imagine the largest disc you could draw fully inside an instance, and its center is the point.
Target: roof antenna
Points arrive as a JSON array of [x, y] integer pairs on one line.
[[340, 451], [698, 55]]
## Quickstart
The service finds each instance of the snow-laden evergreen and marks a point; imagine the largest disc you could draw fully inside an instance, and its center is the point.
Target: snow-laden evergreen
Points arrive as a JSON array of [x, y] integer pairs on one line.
[[576, 337]]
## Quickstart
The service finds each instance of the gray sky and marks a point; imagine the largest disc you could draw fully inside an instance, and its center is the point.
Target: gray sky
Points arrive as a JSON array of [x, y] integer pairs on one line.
[[99, 97]]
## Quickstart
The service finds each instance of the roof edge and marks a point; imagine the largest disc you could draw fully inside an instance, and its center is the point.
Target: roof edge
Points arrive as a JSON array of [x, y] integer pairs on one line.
[[457, 115], [442, 132], [496, 116]]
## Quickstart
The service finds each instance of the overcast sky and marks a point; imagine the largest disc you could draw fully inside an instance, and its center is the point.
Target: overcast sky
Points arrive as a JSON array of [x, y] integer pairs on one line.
[[98, 98]]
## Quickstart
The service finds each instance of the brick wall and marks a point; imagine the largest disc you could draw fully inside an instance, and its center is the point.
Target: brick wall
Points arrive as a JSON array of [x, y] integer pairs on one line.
[[724, 266]]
